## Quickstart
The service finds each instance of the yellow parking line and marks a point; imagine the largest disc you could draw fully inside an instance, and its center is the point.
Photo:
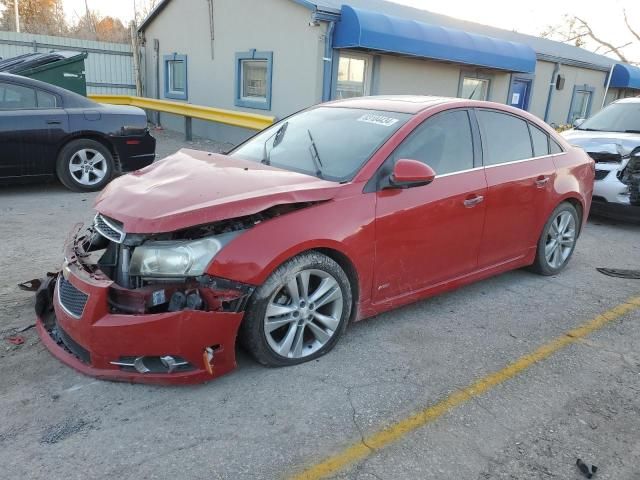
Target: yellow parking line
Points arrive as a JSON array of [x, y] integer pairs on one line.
[[383, 438]]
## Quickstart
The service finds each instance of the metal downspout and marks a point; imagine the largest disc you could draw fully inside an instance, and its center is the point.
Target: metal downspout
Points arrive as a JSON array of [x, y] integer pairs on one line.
[[552, 84], [327, 60]]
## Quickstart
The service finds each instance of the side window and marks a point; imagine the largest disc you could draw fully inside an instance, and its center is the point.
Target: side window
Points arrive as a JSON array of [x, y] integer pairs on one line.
[[443, 142], [45, 99], [353, 73], [505, 138], [555, 148], [540, 141], [253, 79], [175, 76], [16, 97]]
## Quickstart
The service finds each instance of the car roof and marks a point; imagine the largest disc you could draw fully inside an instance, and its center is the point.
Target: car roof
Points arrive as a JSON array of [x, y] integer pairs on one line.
[[392, 103], [414, 104]]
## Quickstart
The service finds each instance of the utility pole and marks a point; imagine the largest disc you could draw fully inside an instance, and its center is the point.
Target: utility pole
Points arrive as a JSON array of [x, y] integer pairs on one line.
[[15, 7]]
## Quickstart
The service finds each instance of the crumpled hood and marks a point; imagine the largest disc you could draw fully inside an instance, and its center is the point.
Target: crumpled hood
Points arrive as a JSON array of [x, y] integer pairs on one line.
[[193, 188], [600, 142]]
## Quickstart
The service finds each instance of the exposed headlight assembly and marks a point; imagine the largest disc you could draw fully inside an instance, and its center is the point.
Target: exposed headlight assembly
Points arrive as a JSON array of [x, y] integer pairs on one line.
[[177, 258]]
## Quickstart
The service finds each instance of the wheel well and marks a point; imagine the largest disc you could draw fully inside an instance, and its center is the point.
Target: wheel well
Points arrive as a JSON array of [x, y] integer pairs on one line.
[[348, 267], [95, 137], [578, 206]]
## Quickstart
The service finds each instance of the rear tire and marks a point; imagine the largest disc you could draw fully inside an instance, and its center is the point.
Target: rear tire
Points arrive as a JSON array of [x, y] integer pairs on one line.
[[85, 165], [299, 313], [558, 240]]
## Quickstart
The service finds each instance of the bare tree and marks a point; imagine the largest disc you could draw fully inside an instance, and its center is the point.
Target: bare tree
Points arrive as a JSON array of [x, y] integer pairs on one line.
[[577, 31], [143, 8]]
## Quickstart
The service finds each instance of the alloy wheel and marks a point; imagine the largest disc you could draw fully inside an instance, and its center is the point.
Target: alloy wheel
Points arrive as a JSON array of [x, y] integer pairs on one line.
[[88, 167], [303, 314], [561, 239]]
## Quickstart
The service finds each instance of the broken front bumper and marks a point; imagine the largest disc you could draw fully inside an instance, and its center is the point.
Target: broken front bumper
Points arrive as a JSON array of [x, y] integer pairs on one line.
[[84, 332]]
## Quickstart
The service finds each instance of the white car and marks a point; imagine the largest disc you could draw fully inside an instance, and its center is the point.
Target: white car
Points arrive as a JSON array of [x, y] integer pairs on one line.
[[612, 138]]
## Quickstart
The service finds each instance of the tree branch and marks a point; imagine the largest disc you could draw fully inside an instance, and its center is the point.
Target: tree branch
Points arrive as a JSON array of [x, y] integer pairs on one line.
[[590, 33], [626, 21]]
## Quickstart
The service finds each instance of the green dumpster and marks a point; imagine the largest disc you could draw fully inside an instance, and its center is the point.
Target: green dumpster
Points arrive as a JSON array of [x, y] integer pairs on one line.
[[67, 73]]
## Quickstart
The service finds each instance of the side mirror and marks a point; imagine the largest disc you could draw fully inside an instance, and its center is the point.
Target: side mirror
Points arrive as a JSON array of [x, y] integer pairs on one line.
[[411, 173], [578, 121]]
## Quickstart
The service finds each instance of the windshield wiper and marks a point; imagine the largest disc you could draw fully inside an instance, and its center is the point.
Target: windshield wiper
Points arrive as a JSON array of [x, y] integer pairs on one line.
[[279, 135], [632, 131], [315, 155]]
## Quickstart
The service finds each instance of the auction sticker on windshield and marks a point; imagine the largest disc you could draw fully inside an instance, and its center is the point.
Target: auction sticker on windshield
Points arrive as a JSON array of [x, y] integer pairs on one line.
[[378, 119]]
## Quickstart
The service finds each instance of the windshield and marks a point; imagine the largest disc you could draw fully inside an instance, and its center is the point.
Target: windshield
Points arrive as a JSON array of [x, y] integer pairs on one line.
[[327, 142], [617, 117]]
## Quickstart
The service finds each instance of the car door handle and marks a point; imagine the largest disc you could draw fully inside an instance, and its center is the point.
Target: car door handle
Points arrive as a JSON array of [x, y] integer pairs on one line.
[[541, 182], [53, 122], [473, 201]]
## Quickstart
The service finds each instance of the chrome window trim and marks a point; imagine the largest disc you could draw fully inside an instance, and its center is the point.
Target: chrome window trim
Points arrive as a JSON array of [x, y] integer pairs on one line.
[[113, 227], [459, 172], [526, 160], [501, 164]]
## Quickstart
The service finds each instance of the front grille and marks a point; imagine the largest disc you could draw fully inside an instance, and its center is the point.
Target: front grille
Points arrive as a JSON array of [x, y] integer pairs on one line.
[[71, 299], [65, 340], [109, 228], [601, 174]]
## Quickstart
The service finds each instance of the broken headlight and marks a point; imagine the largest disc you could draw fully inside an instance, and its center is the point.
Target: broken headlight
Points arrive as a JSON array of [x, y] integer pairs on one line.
[[177, 258]]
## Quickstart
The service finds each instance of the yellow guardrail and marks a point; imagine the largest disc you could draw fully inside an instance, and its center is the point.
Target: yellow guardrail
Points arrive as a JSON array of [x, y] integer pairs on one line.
[[228, 117]]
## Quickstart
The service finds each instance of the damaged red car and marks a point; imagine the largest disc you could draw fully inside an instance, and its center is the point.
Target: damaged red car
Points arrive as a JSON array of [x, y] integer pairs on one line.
[[335, 214]]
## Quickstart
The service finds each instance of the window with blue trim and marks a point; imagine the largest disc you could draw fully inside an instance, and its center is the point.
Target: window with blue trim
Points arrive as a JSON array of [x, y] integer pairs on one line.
[[253, 79], [175, 77], [581, 102]]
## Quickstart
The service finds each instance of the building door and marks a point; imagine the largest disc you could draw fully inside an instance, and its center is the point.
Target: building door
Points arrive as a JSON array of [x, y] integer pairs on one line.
[[519, 97]]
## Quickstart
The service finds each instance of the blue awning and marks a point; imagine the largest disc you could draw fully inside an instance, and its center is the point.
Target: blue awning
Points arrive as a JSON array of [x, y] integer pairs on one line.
[[370, 30], [625, 76]]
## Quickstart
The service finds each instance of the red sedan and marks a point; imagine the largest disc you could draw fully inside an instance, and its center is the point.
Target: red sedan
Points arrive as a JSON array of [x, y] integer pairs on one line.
[[335, 214]]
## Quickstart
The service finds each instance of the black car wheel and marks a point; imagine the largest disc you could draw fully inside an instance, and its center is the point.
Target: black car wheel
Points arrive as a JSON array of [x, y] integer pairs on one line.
[[299, 313], [85, 165]]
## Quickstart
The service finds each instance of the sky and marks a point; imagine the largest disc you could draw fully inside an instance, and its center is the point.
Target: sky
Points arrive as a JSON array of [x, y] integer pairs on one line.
[[529, 17]]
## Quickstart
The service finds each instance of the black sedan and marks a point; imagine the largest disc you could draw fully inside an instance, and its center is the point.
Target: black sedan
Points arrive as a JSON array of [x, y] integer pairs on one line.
[[48, 131]]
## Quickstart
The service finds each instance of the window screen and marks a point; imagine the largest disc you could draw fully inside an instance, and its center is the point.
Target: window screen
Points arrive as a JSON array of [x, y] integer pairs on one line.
[[177, 76], [540, 141], [254, 79], [443, 142], [505, 138]]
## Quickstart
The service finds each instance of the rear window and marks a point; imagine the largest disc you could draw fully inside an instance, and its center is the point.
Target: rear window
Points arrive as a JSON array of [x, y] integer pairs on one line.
[[505, 138], [540, 141]]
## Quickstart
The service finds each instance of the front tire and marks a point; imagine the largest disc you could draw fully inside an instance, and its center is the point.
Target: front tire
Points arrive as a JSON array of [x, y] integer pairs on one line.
[[299, 313], [85, 165], [558, 240]]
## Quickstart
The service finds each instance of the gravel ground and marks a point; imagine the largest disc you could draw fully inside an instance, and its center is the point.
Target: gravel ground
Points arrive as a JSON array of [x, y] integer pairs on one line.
[[259, 423]]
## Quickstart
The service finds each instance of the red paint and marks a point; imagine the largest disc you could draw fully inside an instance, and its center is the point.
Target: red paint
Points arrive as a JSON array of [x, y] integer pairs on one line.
[[193, 187], [408, 171], [402, 244]]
